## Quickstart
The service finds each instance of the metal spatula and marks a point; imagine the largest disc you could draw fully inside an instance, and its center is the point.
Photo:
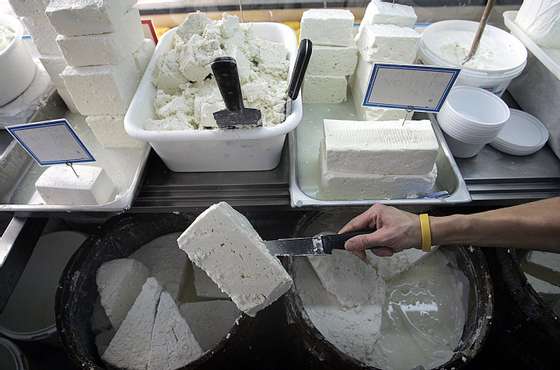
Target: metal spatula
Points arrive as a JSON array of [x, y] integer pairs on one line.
[[314, 246], [302, 60], [235, 115]]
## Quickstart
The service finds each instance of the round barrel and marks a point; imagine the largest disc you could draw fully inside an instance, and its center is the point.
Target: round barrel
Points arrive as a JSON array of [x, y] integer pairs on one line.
[[316, 351], [11, 358], [77, 293], [29, 314]]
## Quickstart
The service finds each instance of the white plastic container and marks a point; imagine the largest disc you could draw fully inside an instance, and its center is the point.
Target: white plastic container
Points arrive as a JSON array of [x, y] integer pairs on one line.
[[503, 64], [471, 117], [214, 150], [17, 68]]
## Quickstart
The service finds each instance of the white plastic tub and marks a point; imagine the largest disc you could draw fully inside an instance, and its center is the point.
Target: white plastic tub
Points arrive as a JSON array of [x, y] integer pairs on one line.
[[17, 68], [214, 150], [510, 54]]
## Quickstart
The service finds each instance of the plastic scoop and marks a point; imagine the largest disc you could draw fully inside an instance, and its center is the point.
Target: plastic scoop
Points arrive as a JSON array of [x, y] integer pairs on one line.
[[235, 115]]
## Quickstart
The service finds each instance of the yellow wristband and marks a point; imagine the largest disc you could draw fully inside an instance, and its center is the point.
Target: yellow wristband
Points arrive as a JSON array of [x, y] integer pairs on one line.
[[426, 232]]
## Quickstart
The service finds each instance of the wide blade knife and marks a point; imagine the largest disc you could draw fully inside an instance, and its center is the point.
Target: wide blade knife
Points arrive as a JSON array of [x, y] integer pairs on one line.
[[311, 246]]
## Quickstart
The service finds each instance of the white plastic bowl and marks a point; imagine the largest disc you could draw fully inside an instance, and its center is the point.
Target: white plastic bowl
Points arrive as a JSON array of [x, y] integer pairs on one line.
[[513, 54], [17, 68], [214, 150], [461, 149], [523, 134]]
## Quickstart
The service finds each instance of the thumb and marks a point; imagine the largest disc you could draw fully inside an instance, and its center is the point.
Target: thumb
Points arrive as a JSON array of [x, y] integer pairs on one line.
[[363, 242]]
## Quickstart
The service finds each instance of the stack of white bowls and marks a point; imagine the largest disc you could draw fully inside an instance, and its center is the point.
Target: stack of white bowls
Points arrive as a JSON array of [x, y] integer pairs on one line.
[[470, 118]]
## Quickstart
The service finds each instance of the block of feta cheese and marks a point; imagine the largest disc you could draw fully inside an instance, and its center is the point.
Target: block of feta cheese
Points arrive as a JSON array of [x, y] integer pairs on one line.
[[173, 343], [380, 12], [106, 48], [324, 89], [389, 267], [65, 95], [331, 27], [87, 17], [210, 321], [333, 60], [130, 347], [549, 260], [166, 261], [59, 185], [385, 148], [222, 242], [204, 286], [54, 67], [540, 19], [352, 281], [119, 282], [29, 8], [359, 85], [102, 90], [43, 34], [387, 43], [143, 54], [110, 132]]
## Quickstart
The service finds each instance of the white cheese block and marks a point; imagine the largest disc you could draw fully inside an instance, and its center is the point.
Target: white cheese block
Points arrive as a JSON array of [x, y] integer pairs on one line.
[[210, 321], [102, 90], [222, 242], [204, 286], [541, 286], [352, 281], [324, 89], [29, 8], [173, 343], [43, 34], [87, 17], [387, 43], [119, 282], [327, 26], [54, 67], [544, 259], [359, 84], [143, 54], [166, 261], [386, 148], [380, 12], [59, 185], [67, 98], [389, 267], [540, 19], [106, 48], [333, 61], [130, 347], [110, 132]]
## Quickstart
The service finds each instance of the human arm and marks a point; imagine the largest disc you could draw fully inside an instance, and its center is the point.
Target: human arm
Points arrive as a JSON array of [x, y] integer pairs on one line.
[[531, 225]]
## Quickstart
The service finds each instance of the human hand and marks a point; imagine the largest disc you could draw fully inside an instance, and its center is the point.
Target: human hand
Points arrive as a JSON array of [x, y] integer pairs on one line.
[[396, 230]]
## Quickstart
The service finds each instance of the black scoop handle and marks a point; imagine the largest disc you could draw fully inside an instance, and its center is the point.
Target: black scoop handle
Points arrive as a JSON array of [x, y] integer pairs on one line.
[[227, 78], [337, 241], [302, 60]]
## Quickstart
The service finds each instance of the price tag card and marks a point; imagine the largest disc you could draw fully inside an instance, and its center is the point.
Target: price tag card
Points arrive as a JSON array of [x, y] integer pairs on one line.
[[51, 142], [411, 87]]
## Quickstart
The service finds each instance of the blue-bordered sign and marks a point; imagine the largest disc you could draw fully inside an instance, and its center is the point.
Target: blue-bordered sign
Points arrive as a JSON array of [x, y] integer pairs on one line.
[[51, 142], [411, 87]]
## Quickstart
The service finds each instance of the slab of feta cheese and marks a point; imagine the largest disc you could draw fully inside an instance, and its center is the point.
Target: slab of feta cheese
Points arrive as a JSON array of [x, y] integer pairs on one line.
[[173, 343], [544, 259], [102, 90], [29, 8], [210, 321], [540, 19], [59, 185], [389, 267], [143, 54], [167, 263], [65, 95], [387, 43], [352, 281], [119, 282], [130, 347], [331, 27], [333, 60], [87, 17], [324, 89], [380, 12], [222, 242], [106, 48], [109, 131], [384, 148], [43, 34], [54, 67], [204, 286]]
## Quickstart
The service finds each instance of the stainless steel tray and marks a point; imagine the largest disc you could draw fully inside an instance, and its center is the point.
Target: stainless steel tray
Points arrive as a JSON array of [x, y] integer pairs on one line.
[[304, 178], [124, 166]]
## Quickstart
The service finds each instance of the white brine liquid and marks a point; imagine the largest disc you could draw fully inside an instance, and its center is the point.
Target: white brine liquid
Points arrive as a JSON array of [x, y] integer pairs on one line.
[[6, 36]]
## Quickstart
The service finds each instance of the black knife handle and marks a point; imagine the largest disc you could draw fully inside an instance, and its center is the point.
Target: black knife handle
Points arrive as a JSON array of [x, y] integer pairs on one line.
[[304, 55], [337, 241], [227, 78]]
